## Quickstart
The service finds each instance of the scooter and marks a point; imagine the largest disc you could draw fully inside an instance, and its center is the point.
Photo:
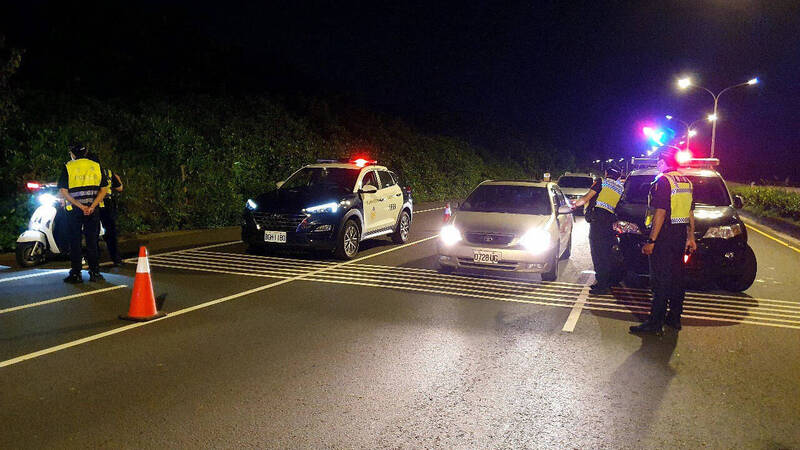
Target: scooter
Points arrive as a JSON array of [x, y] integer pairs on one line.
[[46, 235]]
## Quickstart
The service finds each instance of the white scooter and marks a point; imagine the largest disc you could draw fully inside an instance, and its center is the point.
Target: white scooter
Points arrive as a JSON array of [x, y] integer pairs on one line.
[[46, 235]]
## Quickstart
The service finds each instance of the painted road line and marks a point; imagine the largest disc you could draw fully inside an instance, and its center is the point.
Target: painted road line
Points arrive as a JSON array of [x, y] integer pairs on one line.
[[572, 320], [180, 312], [31, 275], [767, 235], [429, 210], [223, 244], [710, 298], [755, 313], [60, 299]]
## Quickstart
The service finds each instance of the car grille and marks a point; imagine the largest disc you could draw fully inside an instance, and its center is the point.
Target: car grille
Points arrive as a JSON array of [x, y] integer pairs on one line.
[[485, 238], [278, 222], [501, 265]]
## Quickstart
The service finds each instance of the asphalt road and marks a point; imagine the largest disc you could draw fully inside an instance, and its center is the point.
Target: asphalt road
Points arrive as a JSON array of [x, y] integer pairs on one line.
[[290, 351]]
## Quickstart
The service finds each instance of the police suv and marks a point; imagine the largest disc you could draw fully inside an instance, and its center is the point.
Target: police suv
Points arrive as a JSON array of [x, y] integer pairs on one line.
[[330, 206], [723, 255]]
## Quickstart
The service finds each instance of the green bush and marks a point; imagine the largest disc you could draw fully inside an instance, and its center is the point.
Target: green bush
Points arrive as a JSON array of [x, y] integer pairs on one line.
[[771, 201]]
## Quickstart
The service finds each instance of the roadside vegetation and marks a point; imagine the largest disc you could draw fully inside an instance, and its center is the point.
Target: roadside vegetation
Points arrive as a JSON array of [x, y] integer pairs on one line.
[[768, 201]]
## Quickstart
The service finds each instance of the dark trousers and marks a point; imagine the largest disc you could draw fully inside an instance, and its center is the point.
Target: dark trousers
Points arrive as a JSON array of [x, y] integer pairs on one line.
[[88, 226], [108, 217], [601, 240], [666, 276]]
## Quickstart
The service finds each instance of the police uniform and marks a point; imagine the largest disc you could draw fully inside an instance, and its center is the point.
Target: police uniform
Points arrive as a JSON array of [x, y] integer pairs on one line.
[[672, 192], [602, 210], [108, 215], [83, 178]]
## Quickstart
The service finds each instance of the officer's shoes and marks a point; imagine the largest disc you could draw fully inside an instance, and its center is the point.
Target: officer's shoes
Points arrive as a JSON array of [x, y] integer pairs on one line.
[[674, 322], [95, 277], [74, 278], [647, 327], [599, 290], [116, 263]]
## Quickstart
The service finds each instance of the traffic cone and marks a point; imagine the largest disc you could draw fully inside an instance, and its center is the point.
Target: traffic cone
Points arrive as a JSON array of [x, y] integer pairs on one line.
[[143, 301], [447, 213]]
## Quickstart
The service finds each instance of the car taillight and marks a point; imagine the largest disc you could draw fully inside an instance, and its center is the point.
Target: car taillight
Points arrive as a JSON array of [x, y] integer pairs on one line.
[[408, 190], [33, 186]]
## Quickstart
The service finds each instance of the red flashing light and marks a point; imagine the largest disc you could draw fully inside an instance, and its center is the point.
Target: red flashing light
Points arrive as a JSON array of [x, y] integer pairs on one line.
[[33, 186], [683, 157], [361, 162], [686, 258]]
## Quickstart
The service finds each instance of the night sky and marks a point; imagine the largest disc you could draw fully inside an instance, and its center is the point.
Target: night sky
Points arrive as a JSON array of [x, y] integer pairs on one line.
[[584, 76]]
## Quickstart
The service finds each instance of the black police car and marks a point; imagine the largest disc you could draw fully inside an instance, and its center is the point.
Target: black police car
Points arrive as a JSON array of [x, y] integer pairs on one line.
[[722, 256], [330, 206]]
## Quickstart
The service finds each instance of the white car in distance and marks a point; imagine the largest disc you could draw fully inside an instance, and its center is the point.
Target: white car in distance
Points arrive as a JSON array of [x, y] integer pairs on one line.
[[509, 226]]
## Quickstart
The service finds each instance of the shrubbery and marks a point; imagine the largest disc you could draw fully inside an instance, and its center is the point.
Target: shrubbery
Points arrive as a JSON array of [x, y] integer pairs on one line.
[[770, 201], [193, 161]]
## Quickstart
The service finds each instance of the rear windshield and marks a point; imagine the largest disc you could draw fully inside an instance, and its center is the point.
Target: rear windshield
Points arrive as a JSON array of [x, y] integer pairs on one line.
[[575, 182], [508, 199], [707, 190]]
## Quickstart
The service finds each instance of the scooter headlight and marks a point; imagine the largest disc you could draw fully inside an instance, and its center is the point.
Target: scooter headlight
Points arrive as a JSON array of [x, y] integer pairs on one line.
[[47, 199], [536, 241]]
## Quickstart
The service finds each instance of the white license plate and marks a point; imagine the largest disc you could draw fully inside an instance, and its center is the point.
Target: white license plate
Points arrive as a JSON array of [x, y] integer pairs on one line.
[[484, 257], [276, 237]]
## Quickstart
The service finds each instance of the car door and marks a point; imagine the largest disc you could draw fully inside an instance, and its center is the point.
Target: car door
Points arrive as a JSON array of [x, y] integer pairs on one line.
[[371, 202], [564, 220], [393, 195]]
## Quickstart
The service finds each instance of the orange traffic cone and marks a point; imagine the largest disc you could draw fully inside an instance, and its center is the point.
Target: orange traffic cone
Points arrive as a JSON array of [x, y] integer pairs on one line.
[[447, 213], [143, 302]]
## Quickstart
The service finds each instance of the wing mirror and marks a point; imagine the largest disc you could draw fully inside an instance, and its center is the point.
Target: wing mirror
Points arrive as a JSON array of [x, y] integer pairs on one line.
[[564, 209], [279, 184], [368, 189], [738, 202]]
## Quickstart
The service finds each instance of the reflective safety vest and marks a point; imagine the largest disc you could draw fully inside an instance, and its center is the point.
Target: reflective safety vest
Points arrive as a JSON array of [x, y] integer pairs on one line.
[[609, 195], [680, 199], [84, 178]]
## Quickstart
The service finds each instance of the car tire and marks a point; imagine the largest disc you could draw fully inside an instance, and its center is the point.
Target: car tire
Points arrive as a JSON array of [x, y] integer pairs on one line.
[[745, 273], [567, 251], [400, 236], [348, 240], [26, 256], [552, 275]]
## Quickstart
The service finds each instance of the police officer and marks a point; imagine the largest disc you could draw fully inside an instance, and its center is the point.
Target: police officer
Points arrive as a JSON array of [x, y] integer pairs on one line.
[[670, 218], [83, 187], [602, 198], [108, 212]]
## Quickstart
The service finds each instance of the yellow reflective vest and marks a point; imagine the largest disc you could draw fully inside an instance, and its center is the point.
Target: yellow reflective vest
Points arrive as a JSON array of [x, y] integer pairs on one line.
[[680, 199], [84, 179], [609, 195]]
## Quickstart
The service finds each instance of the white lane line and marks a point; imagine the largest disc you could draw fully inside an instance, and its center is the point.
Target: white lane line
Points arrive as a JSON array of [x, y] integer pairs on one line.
[[31, 275], [60, 299], [575, 314], [180, 312], [428, 210], [223, 244]]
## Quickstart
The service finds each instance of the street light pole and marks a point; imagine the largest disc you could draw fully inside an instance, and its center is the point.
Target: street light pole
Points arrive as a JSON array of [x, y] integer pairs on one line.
[[687, 125], [686, 83]]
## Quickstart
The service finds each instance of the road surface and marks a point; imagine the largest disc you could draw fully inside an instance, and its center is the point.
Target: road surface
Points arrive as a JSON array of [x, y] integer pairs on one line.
[[384, 351]]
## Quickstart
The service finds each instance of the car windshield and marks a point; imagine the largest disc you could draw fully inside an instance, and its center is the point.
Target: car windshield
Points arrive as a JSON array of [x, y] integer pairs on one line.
[[508, 199], [575, 182], [707, 190], [312, 178]]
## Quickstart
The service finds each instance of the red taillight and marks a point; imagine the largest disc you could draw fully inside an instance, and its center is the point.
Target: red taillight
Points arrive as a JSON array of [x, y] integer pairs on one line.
[[686, 258], [33, 186], [408, 190]]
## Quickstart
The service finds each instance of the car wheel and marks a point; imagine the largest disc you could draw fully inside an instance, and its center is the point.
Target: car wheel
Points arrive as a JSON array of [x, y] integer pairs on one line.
[[348, 241], [744, 275], [400, 236], [27, 256], [552, 275], [567, 251]]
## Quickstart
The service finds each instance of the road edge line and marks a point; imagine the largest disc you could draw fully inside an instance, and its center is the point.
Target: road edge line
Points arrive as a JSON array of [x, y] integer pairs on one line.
[[60, 299]]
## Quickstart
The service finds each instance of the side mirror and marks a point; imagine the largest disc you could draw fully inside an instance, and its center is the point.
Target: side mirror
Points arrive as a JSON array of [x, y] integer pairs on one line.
[[738, 202], [279, 184], [368, 189], [564, 209]]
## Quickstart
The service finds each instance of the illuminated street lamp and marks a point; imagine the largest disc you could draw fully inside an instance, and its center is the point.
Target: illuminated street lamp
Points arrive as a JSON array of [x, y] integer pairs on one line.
[[690, 132], [685, 83]]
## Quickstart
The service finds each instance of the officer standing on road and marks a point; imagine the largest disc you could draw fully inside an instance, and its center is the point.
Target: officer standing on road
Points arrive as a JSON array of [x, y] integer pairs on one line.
[[670, 218], [83, 187], [108, 211], [602, 198]]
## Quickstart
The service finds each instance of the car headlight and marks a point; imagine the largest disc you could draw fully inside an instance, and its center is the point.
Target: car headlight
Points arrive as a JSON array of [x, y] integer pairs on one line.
[[724, 231], [449, 235], [47, 199], [623, 227], [324, 208], [536, 240], [251, 205]]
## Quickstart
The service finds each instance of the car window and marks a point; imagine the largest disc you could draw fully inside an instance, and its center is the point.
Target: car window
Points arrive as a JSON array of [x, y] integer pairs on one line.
[[636, 189], [396, 178], [369, 180], [321, 178], [560, 197], [706, 190], [386, 179], [508, 199], [567, 181]]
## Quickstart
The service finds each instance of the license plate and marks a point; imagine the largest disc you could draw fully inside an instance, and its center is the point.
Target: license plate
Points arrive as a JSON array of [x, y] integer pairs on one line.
[[275, 237], [484, 257]]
